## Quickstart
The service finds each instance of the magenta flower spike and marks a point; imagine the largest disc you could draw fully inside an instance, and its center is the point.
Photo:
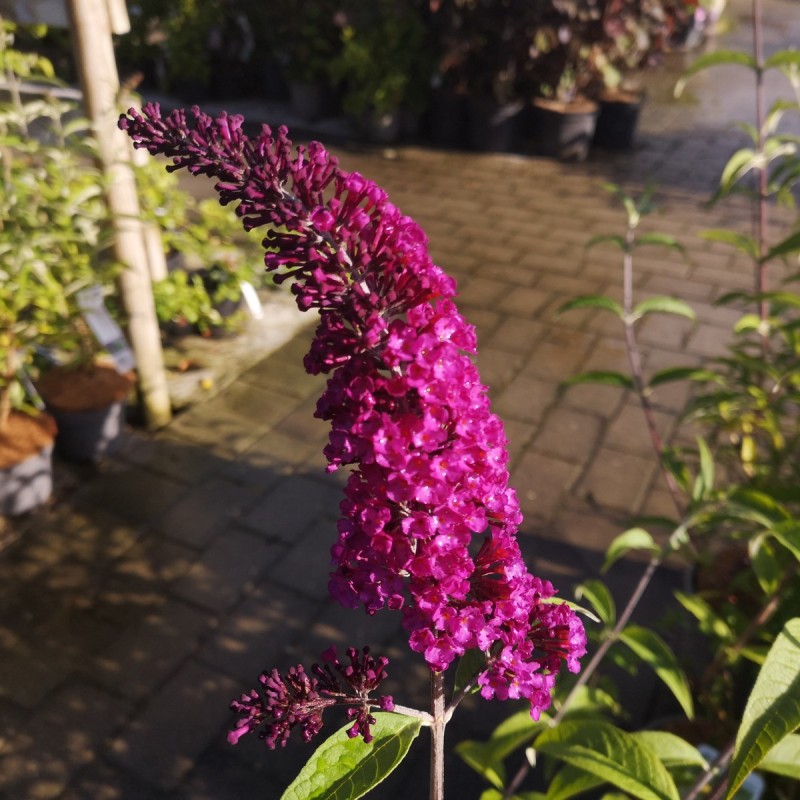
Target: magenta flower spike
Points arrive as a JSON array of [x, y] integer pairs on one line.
[[428, 486]]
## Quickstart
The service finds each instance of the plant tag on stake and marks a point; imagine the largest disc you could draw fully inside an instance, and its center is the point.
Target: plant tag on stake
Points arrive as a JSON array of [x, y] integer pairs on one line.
[[106, 331], [251, 300]]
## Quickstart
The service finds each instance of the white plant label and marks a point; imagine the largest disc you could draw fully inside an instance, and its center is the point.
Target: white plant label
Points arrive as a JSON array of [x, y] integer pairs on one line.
[[106, 331], [251, 300]]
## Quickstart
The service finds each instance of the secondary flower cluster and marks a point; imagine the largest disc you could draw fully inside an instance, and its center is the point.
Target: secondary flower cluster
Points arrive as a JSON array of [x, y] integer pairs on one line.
[[428, 523], [299, 700]]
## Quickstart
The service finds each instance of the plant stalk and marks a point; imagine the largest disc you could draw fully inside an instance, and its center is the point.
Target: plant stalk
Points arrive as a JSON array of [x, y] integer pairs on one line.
[[761, 277], [437, 736], [717, 765]]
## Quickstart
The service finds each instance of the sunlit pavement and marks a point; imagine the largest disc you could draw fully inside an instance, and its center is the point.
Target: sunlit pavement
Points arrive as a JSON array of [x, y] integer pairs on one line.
[[160, 585]]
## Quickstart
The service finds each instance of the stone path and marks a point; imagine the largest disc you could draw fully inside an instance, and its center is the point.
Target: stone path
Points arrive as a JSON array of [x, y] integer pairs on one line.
[[158, 586]]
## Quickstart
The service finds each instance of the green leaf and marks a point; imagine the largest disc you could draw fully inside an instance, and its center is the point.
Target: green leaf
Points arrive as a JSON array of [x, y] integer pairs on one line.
[[593, 301], [784, 758], [633, 539], [662, 240], [705, 480], [487, 757], [711, 623], [578, 609], [610, 754], [773, 708], [742, 242], [570, 781], [791, 244], [618, 241], [342, 768], [671, 750], [469, 665], [783, 58], [606, 378], [655, 652], [596, 592], [718, 58], [739, 164], [788, 534], [594, 701], [664, 305], [681, 374]]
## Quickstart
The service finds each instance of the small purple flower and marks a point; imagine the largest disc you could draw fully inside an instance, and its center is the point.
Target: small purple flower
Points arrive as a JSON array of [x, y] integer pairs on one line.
[[298, 700]]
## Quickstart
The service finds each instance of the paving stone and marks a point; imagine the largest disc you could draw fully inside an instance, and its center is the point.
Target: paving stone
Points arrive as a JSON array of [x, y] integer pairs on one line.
[[204, 512], [287, 378], [226, 568], [289, 509], [275, 454], [618, 480], [134, 494], [160, 745], [524, 302], [526, 399], [147, 654], [172, 456], [307, 565], [260, 633], [541, 483], [709, 341], [224, 434], [498, 367], [568, 435], [559, 356], [628, 431]]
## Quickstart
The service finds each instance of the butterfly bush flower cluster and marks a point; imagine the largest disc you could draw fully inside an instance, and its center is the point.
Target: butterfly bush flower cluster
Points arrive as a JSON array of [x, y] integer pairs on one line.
[[428, 523], [299, 700]]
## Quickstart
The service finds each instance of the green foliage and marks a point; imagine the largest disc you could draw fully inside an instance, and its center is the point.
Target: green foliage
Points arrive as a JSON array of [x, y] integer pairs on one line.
[[56, 226], [346, 769]]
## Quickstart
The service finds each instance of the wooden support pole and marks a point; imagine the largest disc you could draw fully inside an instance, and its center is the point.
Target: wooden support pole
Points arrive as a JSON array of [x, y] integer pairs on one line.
[[94, 54]]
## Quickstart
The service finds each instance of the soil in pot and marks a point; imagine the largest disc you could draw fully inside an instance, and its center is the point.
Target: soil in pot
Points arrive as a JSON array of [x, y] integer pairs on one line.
[[564, 130], [88, 404], [26, 446], [617, 120]]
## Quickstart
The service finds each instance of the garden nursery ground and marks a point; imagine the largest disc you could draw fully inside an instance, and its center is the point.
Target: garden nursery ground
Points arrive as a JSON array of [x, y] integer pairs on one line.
[[159, 584]]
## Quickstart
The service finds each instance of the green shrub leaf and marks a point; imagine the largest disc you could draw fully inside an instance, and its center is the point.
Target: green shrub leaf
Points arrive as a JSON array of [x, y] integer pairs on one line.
[[469, 665], [618, 241], [346, 769], [784, 758], [610, 754], [593, 301], [681, 374], [662, 240], [604, 377], [655, 652], [742, 242], [773, 708], [633, 539], [664, 305], [570, 781], [600, 599], [671, 750], [791, 244]]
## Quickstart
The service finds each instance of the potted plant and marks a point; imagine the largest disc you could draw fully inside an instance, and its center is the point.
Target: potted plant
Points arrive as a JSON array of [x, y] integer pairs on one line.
[[635, 34], [307, 41], [56, 228], [564, 73], [383, 67]]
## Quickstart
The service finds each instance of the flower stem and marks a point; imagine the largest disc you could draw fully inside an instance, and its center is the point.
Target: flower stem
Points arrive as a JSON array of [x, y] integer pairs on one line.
[[437, 736]]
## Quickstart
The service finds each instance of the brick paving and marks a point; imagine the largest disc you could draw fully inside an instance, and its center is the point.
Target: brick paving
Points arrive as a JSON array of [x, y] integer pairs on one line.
[[159, 584]]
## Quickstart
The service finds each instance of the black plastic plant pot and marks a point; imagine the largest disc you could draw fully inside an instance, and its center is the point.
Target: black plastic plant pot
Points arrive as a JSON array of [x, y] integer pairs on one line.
[[493, 126], [28, 484], [89, 435], [565, 130], [449, 119], [616, 123]]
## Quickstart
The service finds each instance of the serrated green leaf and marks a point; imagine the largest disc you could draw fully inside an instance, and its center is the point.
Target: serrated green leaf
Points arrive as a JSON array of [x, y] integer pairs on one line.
[[593, 301], [342, 768], [791, 244], [598, 596], [604, 377], [671, 750], [784, 758], [664, 305], [742, 242], [469, 665], [632, 539], [610, 754], [655, 652], [773, 708]]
